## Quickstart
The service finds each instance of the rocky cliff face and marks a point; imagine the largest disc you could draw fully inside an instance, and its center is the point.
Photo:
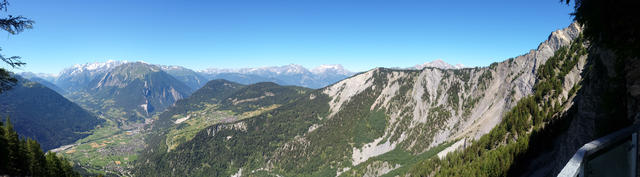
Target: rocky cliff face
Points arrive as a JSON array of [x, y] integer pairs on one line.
[[351, 127], [433, 106], [607, 101], [471, 101]]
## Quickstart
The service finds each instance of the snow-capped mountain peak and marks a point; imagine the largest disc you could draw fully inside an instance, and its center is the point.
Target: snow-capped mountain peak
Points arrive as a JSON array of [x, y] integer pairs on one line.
[[292, 74], [334, 68], [294, 68], [97, 66], [171, 67], [283, 70], [218, 70], [278, 70]]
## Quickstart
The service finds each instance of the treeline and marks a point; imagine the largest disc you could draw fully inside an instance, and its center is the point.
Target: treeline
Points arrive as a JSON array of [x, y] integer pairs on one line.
[[498, 152], [24, 157]]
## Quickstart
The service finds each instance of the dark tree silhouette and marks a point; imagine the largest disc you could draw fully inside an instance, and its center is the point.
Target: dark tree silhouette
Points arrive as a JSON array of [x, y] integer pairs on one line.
[[13, 25], [611, 23], [23, 157]]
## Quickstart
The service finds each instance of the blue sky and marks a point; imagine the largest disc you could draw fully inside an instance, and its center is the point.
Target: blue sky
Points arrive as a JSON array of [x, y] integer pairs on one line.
[[360, 35]]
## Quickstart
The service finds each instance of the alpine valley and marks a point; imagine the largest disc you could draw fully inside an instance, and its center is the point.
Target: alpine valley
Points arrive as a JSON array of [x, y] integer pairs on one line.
[[106, 106], [382, 122], [523, 116]]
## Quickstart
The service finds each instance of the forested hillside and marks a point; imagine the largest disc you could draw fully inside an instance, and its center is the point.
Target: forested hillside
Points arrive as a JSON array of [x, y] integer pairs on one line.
[[219, 101], [23, 156], [44, 115]]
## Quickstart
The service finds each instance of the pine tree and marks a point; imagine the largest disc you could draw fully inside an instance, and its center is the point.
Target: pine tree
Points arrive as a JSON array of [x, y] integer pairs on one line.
[[13, 25], [22, 163], [53, 165], [13, 145], [24, 157], [37, 161], [4, 151]]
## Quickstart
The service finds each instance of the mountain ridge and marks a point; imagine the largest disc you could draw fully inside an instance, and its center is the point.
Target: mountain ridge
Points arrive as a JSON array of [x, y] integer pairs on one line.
[[291, 74], [44, 115], [76, 78], [350, 127], [438, 63], [139, 87]]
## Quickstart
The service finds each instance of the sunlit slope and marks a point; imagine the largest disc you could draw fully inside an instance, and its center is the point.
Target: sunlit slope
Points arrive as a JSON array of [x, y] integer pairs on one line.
[[219, 101], [376, 122]]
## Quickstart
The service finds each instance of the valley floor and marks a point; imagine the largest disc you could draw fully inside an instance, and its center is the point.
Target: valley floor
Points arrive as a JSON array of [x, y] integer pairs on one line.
[[111, 149]]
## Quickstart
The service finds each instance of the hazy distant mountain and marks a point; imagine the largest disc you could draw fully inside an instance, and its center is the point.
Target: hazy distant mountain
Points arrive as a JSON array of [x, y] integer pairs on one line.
[[44, 76], [438, 63], [44, 115], [331, 69], [245, 79], [44, 79], [284, 75], [77, 78], [187, 76]]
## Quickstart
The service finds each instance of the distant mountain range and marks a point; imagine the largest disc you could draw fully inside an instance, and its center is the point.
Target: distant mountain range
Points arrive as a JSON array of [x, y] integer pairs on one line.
[[78, 77], [46, 80], [136, 90], [292, 74], [131, 91], [189, 77]]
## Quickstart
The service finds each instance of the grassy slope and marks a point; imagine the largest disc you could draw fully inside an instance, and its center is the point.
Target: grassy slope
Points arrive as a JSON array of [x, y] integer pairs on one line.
[[217, 102]]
